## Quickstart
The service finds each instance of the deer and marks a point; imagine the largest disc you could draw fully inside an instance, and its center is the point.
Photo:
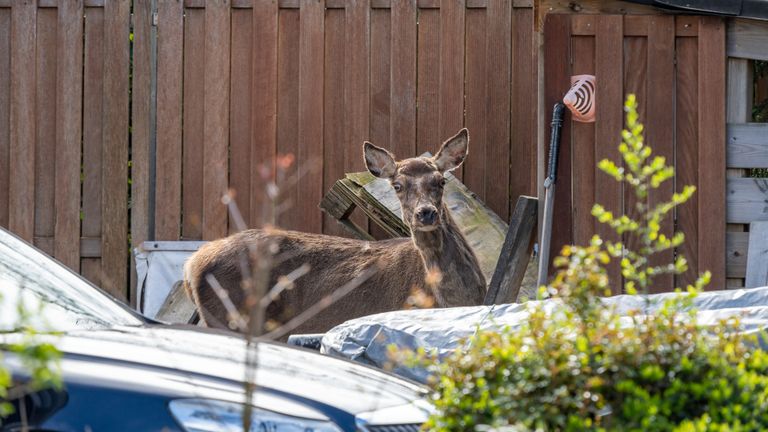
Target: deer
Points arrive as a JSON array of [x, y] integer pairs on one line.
[[436, 247]]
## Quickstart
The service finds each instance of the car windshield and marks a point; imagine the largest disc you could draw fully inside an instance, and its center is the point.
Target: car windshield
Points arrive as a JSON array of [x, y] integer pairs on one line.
[[55, 298]]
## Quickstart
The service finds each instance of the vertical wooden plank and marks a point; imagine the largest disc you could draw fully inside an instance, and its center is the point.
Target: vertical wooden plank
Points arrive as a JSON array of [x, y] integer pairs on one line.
[[635, 81], [141, 102], [264, 112], [451, 70], [45, 122], [687, 153], [403, 78], [21, 183], [380, 69], [5, 113], [334, 131], [357, 92], [69, 93], [498, 159], [428, 88], [608, 124], [583, 143], [311, 63], [660, 126], [216, 118], [114, 241], [711, 112], [93, 98], [288, 115], [524, 106], [380, 80], [557, 31], [192, 134], [477, 103], [170, 34], [240, 116], [757, 255]]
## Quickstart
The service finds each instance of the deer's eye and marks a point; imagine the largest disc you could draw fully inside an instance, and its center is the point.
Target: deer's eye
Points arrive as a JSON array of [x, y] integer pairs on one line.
[[398, 187], [442, 182]]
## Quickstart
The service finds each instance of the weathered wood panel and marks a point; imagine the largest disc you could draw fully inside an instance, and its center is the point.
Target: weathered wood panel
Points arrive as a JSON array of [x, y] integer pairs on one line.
[[583, 140], [687, 153], [192, 134], [452, 27], [609, 52], [747, 145], [711, 150], [264, 109], [746, 200], [557, 81], [21, 179], [665, 61], [660, 128], [498, 161], [114, 239], [334, 130], [93, 103], [736, 246], [288, 115], [757, 256], [170, 40], [240, 134], [747, 39], [216, 118], [45, 120]]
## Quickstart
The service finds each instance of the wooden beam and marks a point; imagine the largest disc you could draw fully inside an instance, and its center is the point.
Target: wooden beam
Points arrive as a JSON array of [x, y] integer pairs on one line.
[[746, 198], [747, 145], [515, 254], [747, 39]]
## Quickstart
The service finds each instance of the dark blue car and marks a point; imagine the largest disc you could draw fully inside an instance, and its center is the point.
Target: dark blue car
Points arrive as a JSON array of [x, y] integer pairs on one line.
[[122, 372]]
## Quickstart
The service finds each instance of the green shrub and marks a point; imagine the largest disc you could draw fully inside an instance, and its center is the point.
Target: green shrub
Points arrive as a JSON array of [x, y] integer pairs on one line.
[[584, 367]]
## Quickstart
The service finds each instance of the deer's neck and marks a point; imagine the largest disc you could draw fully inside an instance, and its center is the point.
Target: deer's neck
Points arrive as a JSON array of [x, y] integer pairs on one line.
[[446, 250]]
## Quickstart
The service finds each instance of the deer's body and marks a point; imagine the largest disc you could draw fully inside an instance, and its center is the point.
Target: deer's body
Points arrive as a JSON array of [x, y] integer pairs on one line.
[[436, 244]]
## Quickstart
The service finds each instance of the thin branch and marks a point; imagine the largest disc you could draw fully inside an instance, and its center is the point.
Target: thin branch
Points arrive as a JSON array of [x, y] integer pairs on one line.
[[323, 303], [221, 293]]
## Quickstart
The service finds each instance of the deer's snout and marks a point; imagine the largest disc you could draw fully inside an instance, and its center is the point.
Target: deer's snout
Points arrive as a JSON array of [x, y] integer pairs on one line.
[[427, 215]]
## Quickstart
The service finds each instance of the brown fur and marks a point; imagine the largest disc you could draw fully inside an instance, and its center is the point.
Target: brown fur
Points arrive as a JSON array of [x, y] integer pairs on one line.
[[334, 261]]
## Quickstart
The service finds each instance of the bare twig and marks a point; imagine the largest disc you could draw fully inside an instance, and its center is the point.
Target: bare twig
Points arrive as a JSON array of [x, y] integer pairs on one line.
[[284, 283], [322, 304], [221, 293]]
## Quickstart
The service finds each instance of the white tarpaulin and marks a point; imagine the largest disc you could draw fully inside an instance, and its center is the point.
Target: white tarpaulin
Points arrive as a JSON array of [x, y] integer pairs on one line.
[[440, 331]]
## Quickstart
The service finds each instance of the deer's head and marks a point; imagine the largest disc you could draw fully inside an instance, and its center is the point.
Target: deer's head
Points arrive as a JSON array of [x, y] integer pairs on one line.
[[419, 181]]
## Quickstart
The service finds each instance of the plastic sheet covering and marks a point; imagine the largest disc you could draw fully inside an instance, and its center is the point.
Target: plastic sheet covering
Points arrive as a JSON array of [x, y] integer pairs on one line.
[[441, 331]]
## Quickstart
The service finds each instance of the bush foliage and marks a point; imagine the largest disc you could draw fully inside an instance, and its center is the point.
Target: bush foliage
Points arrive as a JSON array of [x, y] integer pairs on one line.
[[585, 367]]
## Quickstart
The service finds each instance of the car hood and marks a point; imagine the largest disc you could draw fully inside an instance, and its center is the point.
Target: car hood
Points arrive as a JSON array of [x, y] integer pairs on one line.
[[196, 357]]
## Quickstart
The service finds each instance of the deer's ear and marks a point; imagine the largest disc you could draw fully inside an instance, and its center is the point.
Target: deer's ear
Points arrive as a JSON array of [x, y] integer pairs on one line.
[[380, 162], [453, 152]]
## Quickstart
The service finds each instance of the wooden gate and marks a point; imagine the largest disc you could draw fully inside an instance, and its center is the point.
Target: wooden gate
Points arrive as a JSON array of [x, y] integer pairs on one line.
[[676, 67]]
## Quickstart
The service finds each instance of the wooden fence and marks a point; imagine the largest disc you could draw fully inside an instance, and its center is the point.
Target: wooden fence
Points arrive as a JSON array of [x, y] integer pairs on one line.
[[747, 147], [676, 66], [218, 88], [64, 132]]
